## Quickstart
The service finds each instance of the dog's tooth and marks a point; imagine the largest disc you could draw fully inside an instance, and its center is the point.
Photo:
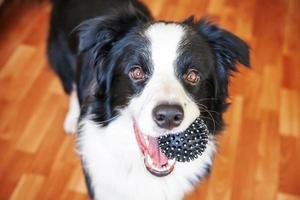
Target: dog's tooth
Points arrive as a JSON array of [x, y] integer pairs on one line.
[[149, 159], [146, 140], [171, 162]]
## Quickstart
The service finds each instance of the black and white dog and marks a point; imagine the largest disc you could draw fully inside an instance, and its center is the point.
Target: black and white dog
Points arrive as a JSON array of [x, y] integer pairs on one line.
[[131, 80]]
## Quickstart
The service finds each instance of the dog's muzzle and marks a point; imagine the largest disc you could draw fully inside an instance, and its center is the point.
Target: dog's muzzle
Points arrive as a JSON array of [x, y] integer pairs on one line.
[[161, 153]]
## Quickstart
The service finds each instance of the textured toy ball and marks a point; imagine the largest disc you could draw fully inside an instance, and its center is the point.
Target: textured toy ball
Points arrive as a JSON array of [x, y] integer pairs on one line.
[[188, 145]]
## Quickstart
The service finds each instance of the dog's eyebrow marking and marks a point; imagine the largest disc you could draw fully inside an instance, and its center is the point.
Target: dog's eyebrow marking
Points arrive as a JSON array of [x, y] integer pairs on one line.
[[165, 39]]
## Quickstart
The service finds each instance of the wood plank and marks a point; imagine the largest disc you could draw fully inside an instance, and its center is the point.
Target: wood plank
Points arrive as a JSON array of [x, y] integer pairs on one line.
[[28, 187], [289, 165]]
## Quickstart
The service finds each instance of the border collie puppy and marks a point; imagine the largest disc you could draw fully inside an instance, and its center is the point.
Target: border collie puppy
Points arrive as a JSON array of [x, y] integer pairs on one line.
[[131, 80]]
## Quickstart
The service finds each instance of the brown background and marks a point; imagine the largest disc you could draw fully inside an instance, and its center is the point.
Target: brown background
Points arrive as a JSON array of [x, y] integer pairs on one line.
[[259, 155]]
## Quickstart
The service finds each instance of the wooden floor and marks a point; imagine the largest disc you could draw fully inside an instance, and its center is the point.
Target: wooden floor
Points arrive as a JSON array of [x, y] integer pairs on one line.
[[259, 155]]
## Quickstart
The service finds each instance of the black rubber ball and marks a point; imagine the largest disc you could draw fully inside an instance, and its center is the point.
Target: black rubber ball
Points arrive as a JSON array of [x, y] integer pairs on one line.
[[188, 145]]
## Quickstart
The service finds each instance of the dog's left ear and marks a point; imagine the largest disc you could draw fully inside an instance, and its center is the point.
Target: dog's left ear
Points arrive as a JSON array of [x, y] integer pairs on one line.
[[227, 48]]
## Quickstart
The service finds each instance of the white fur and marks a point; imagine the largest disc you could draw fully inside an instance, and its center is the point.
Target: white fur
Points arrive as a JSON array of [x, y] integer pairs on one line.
[[111, 154], [116, 164], [164, 85], [71, 120]]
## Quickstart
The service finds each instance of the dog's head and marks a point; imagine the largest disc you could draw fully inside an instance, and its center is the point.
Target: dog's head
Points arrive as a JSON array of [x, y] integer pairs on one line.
[[165, 74]]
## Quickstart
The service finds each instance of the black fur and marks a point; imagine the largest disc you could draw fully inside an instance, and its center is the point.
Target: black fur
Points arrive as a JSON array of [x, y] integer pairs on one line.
[[103, 50], [214, 52], [227, 50], [67, 14]]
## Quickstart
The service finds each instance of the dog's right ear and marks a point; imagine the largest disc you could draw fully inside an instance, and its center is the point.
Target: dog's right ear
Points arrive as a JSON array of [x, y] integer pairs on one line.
[[102, 32]]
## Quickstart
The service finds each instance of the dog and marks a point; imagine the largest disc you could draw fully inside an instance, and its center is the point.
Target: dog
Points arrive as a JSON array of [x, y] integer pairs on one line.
[[131, 80]]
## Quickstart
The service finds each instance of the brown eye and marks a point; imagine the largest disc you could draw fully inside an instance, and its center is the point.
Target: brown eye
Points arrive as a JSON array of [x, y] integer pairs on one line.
[[192, 77], [137, 73]]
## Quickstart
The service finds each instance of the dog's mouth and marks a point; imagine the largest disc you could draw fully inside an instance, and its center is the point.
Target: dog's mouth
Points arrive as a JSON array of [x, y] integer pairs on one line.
[[155, 160]]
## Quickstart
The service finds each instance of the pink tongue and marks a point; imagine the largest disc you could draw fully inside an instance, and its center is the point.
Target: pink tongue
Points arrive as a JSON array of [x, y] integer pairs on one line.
[[157, 156]]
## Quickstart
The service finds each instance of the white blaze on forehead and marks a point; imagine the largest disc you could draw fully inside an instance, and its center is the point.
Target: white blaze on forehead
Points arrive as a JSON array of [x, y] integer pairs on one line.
[[164, 86], [164, 40]]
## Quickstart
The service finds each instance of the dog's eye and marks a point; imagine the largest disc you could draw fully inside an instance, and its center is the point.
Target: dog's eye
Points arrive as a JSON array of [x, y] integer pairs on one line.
[[137, 73], [192, 77]]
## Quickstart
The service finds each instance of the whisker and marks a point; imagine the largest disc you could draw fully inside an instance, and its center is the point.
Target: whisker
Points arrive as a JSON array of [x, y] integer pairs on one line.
[[108, 120], [201, 105], [214, 122], [207, 99], [211, 116], [212, 111]]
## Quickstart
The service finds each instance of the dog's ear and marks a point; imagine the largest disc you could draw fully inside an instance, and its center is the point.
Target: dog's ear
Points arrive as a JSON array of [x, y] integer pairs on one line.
[[102, 32], [189, 21], [227, 48], [93, 39], [92, 42]]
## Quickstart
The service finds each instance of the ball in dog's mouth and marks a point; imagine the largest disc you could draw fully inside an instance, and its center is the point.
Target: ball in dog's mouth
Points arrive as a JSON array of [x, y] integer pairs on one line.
[[188, 145], [161, 153]]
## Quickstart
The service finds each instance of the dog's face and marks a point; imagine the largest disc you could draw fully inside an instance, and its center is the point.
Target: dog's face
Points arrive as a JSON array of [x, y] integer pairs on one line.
[[172, 79], [164, 74]]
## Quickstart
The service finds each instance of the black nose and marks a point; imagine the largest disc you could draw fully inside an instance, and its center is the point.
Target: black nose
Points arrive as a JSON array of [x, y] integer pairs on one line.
[[168, 116]]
